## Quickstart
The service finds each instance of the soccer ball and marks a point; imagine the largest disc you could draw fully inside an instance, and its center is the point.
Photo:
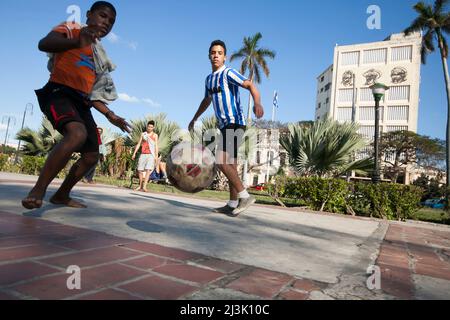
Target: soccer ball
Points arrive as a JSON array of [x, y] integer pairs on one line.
[[191, 167]]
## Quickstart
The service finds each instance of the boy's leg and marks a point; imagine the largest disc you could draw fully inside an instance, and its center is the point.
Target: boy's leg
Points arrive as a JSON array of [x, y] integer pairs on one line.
[[78, 170], [146, 179], [230, 171], [232, 137], [74, 137], [90, 174], [141, 178], [233, 190]]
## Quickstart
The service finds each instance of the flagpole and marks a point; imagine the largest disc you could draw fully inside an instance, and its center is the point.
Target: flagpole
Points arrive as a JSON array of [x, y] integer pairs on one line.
[[275, 97]]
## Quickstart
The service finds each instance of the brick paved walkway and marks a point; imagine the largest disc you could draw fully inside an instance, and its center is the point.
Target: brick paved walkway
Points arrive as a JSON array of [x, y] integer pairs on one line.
[[35, 254], [408, 256]]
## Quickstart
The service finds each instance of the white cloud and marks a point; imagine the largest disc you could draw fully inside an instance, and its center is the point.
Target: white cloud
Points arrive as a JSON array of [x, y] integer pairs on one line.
[[125, 97], [133, 45], [112, 37], [131, 99], [2, 127], [115, 39]]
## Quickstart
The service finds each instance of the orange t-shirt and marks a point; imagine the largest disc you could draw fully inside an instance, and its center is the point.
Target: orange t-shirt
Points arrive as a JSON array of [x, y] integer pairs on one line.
[[74, 68]]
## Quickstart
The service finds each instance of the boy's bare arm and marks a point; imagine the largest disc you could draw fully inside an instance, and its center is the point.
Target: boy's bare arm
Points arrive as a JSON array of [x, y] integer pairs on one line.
[[137, 148], [203, 106], [119, 122], [57, 42], [258, 108]]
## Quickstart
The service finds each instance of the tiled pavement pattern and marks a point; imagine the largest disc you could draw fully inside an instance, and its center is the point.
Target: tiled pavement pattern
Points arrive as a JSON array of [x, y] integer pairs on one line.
[[409, 256], [35, 254]]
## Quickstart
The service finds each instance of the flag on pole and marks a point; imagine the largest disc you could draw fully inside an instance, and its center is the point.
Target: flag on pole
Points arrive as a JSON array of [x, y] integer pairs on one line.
[[275, 99]]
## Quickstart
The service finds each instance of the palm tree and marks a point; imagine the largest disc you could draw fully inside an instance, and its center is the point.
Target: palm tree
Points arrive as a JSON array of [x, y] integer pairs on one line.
[[41, 142], [434, 22], [325, 148], [254, 59]]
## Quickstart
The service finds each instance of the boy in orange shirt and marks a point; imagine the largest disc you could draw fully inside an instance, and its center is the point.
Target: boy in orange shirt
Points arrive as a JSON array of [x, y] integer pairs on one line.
[[65, 102]]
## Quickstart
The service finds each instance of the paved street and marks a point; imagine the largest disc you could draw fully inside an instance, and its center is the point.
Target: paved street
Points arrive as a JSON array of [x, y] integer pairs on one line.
[[132, 245]]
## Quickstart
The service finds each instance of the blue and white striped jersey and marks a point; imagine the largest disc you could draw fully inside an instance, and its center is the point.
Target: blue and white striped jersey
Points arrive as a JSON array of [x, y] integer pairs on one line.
[[223, 87]]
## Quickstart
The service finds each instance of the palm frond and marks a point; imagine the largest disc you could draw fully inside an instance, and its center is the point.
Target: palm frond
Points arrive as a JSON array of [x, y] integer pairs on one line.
[[253, 57], [424, 9], [440, 5], [323, 149]]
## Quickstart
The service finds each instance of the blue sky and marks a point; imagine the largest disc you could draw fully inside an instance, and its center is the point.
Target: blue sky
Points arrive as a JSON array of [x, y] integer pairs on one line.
[[161, 47]]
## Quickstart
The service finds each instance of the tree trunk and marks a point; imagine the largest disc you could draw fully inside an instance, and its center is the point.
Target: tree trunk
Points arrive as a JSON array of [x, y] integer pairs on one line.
[[249, 122], [447, 88]]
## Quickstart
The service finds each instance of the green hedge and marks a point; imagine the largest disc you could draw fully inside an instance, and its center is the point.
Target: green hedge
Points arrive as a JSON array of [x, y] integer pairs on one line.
[[3, 161], [387, 201], [32, 165]]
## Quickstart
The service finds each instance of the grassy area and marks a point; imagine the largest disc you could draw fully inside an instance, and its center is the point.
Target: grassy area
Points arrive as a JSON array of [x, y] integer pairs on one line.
[[433, 215], [261, 197]]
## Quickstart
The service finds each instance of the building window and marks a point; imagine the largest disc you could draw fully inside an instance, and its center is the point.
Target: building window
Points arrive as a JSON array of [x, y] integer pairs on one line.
[[345, 95], [319, 105], [401, 53], [367, 113], [327, 87], [398, 113], [344, 114], [367, 132], [327, 101], [375, 56], [321, 90], [322, 79], [258, 157], [350, 58], [399, 93], [397, 128], [255, 180]]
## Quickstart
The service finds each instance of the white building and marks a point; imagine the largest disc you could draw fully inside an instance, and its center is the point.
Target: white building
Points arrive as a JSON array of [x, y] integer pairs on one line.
[[267, 158], [395, 62]]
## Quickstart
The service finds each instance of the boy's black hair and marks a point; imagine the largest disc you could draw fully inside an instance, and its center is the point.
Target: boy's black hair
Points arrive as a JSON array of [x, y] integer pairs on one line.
[[151, 122], [218, 43], [100, 4]]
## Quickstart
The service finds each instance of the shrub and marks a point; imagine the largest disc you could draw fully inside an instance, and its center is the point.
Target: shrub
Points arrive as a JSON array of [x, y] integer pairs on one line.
[[386, 201], [32, 165], [3, 161]]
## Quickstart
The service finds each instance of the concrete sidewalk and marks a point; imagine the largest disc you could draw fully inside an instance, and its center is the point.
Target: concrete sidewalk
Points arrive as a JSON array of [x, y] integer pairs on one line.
[[159, 246]]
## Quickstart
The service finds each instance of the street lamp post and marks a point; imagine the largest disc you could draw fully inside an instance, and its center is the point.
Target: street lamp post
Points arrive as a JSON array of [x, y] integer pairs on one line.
[[8, 120], [378, 90], [23, 122]]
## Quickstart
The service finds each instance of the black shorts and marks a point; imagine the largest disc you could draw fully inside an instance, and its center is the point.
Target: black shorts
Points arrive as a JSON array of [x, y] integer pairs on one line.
[[232, 138], [61, 105]]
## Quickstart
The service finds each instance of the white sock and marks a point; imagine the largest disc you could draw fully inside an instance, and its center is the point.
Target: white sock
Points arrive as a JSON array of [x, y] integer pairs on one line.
[[243, 195], [233, 203]]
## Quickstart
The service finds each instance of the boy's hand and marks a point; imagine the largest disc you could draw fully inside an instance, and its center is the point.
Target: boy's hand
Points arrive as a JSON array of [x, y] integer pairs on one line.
[[88, 36], [119, 122], [258, 110]]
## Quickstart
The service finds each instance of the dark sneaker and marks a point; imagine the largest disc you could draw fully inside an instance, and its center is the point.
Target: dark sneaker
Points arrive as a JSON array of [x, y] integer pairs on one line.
[[243, 205], [226, 210]]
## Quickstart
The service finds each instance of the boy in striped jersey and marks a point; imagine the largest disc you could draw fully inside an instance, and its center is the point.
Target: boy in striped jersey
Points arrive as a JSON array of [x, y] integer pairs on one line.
[[222, 89]]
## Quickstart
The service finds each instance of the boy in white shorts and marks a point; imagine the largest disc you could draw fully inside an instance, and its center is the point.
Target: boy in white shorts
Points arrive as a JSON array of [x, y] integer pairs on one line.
[[146, 163]]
